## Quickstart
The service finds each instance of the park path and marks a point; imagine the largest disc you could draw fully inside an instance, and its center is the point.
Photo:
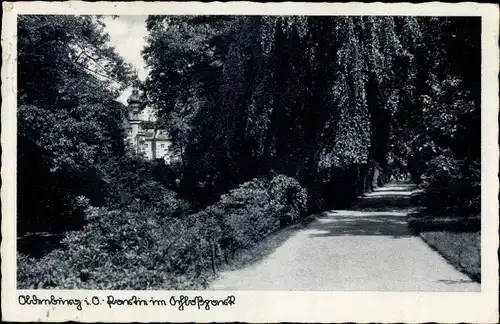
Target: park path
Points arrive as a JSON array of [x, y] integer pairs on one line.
[[368, 248]]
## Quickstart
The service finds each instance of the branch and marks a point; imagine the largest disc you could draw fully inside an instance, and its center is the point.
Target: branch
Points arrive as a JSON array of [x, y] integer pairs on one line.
[[95, 72], [93, 59]]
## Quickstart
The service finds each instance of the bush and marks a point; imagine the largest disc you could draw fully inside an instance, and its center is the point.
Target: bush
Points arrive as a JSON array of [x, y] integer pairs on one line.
[[248, 215], [146, 249], [129, 178], [454, 196], [158, 245], [289, 198], [256, 209], [453, 186]]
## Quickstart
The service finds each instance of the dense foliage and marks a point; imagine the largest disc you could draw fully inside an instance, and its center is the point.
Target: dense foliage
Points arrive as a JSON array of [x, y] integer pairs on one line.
[[145, 248], [327, 100], [270, 117], [256, 209], [445, 148], [69, 121], [160, 246]]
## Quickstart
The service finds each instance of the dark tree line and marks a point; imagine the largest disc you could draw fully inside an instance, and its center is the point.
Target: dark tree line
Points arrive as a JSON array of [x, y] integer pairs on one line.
[[322, 99]]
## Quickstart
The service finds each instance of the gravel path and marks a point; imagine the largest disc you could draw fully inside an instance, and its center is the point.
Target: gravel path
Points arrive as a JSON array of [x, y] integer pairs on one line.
[[367, 248]]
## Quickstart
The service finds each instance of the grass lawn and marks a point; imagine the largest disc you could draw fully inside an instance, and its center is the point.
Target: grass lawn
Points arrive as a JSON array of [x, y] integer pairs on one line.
[[461, 249]]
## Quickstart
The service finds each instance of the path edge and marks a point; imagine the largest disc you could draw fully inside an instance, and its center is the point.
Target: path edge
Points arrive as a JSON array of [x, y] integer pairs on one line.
[[475, 278]]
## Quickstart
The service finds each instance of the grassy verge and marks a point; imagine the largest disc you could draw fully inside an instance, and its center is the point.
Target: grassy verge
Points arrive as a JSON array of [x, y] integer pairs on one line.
[[461, 249]]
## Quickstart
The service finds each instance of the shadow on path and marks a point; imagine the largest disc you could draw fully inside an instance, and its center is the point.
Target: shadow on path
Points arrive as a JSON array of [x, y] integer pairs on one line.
[[361, 223], [456, 282], [395, 188], [388, 198], [382, 212]]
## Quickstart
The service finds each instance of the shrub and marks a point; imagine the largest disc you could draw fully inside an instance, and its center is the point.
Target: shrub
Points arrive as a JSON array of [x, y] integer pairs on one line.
[[452, 196], [453, 186], [143, 249], [158, 245], [129, 178], [255, 209], [248, 215], [288, 198]]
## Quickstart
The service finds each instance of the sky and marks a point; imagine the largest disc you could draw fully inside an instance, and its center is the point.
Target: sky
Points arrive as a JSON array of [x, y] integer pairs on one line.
[[127, 34]]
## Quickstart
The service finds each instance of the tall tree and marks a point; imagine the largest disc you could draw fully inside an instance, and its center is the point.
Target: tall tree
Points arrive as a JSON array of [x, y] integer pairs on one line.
[[68, 119]]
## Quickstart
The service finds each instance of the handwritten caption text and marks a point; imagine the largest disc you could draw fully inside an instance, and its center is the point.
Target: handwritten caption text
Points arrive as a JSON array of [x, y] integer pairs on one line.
[[181, 302]]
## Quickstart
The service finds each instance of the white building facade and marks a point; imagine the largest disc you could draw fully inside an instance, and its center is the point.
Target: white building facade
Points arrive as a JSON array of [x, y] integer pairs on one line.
[[143, 135]]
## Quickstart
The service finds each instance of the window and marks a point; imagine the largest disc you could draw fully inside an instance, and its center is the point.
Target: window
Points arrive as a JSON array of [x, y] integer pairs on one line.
[[162, 145]]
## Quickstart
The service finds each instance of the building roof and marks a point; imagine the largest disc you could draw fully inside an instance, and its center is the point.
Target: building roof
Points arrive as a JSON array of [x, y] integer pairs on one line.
[[134, 98], [158, 135]]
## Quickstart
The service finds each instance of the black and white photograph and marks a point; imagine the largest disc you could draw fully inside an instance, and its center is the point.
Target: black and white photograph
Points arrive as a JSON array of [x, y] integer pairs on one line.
[[250, 152]]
